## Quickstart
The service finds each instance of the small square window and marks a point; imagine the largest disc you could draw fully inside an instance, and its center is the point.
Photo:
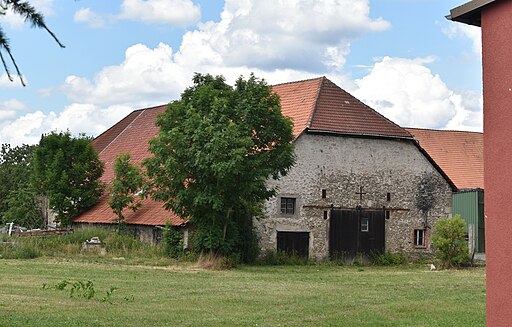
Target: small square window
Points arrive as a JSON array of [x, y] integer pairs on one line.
[[288, 206], [365, 225], [419, 238]]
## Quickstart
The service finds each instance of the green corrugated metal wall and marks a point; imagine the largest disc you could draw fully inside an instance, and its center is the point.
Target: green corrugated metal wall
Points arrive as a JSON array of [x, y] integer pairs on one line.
[[470, 206]]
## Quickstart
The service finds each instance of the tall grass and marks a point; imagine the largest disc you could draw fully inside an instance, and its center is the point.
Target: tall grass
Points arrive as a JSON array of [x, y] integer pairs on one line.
[[113, 245]]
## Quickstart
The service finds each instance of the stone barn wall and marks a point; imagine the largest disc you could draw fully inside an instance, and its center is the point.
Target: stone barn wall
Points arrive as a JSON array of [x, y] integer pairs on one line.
[[342, 165]]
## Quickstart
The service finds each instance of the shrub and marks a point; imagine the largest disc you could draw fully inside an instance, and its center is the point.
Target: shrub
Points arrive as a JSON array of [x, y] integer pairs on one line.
[[449, 241]]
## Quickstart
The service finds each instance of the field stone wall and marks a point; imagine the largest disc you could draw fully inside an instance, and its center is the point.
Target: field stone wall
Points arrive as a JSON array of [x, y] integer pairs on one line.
[[343, 164]]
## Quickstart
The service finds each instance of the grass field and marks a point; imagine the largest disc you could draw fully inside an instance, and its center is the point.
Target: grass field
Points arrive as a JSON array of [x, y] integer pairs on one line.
[[322, 295]]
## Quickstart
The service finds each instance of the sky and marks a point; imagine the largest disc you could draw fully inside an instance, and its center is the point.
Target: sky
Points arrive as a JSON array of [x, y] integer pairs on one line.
[[403, 58]]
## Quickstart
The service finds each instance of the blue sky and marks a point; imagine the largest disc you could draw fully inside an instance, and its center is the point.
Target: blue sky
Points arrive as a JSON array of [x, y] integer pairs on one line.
[[401, 57]]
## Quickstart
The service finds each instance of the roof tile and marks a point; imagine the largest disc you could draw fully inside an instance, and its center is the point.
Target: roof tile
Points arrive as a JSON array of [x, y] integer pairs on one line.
[[458, 153]]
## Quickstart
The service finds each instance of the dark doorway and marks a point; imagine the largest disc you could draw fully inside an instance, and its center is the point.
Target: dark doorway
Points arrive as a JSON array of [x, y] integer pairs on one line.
[[356, 231], [296, 243]]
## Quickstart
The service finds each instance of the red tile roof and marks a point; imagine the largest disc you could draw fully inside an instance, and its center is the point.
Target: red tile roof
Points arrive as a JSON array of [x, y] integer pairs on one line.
[[459, 154], [319, 105], [315, 105], [298, 101], [130, 135]]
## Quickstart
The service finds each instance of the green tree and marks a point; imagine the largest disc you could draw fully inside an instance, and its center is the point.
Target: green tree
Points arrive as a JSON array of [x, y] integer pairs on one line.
[[25, 208], [15, 170], [450, 243], [31, 15], [128, 180], [215, 150], [67, 171]]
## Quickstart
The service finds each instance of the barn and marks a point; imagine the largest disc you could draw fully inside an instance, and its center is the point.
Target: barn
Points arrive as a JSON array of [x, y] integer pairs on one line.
[[361, 184]]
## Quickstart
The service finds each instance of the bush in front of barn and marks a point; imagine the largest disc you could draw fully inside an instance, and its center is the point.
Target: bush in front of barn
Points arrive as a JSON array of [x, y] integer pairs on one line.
[[450, 242]]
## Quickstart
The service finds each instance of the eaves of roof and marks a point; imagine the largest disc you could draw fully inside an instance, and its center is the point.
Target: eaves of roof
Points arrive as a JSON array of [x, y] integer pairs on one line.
[[355, 134], [470, 12]]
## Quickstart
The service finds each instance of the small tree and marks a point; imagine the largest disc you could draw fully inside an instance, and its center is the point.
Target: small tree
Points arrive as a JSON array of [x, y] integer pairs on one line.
[[449, 241], [67, 170], [127, 182], [15, 171], [25, 208]]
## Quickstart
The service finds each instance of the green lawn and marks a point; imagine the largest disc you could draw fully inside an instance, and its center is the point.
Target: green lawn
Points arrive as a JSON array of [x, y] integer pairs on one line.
[[250, 295]]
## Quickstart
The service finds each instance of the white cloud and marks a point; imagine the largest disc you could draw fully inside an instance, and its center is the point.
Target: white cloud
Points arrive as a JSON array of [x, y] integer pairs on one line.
[[87, 16], [252, 36], [145, 77], [310, 36], [473, 33], [469, 114], [9, 109], [409, 94], [174, 12], [77, 118]]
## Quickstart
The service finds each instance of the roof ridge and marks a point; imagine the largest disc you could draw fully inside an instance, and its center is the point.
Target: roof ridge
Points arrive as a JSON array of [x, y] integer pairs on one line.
[[124, 129], [151, 108], [315, 103], [300, 81]]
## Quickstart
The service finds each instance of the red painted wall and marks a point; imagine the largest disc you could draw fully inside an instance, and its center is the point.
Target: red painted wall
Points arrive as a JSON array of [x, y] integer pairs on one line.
[[497, 81]]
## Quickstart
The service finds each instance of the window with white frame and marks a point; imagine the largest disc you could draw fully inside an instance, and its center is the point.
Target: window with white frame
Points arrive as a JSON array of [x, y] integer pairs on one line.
[[365, 225], [419, 238]]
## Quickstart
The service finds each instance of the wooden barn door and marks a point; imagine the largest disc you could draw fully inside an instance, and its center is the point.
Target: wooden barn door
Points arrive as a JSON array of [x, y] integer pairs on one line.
[[356, 231]]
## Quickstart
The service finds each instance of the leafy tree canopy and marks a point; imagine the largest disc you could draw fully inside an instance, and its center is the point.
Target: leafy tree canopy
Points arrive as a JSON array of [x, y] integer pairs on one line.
[[67, 171], [216, 148], [24, 208], [31, 15], [128, 180], [15, 170]]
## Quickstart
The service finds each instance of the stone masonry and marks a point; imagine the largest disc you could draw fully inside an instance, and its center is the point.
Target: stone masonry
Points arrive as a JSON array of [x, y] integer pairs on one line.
[[342, 166]]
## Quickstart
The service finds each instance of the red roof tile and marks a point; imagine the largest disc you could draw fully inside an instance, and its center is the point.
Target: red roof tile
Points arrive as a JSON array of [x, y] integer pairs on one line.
[[458, 153], [338, 111], [322, 106], [315, 105], [298, 100], [130, 135]]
